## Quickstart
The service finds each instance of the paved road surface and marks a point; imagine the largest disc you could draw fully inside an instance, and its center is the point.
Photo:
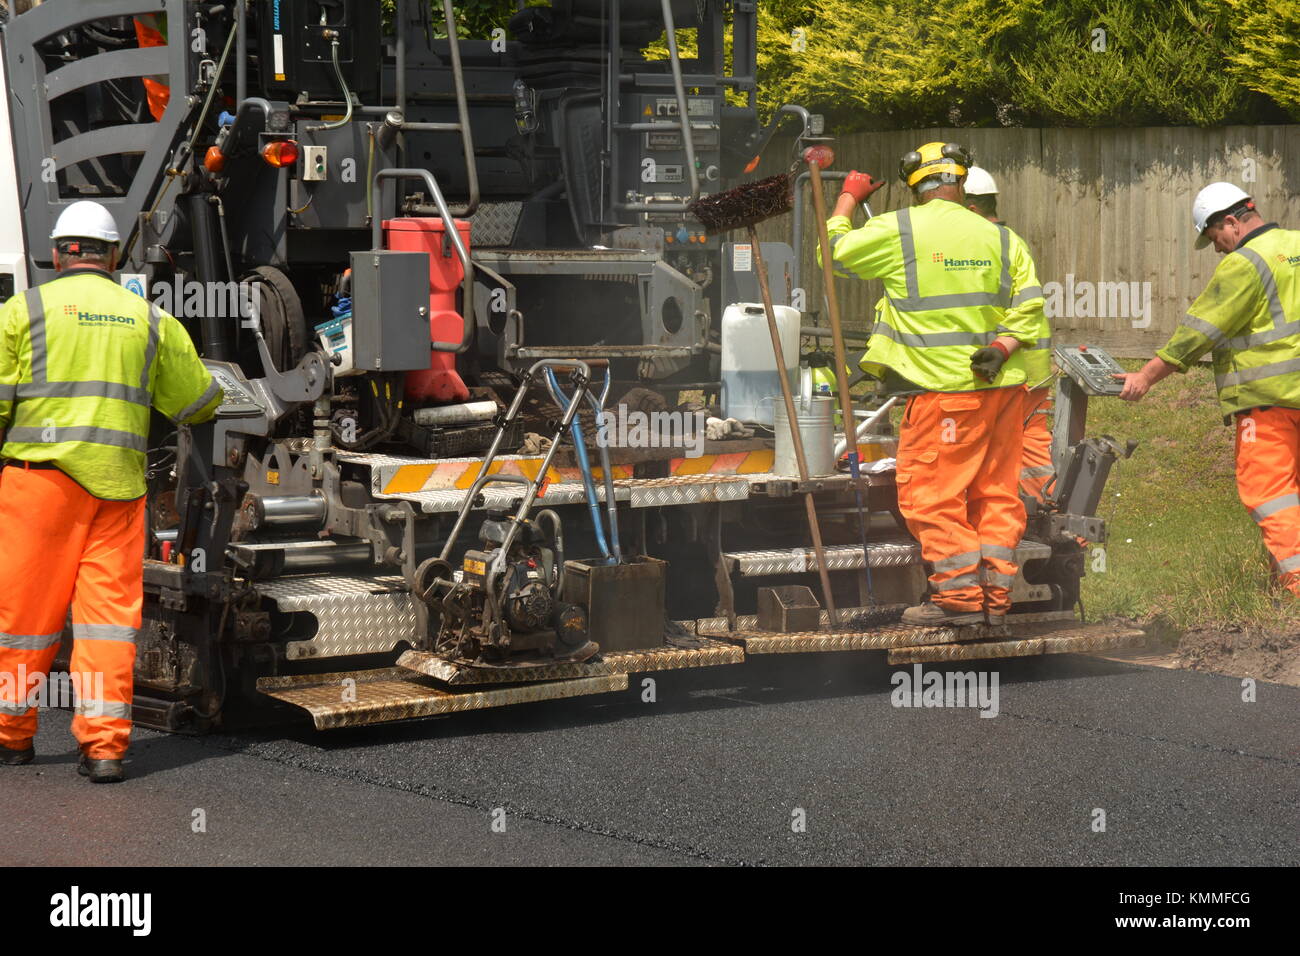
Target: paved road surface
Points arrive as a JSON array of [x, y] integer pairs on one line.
[[713, 772]]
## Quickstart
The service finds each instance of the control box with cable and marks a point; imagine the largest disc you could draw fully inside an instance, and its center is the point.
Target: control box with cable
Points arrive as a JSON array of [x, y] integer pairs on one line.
[[296, 48]]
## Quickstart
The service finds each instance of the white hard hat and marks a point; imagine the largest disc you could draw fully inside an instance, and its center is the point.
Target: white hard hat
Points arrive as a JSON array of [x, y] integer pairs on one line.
[[980, 183], [86, 220], [1213, 199]]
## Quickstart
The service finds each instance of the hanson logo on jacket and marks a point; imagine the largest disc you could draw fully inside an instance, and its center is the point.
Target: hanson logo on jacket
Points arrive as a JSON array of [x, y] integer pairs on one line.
[[947, 263], [97, 318]]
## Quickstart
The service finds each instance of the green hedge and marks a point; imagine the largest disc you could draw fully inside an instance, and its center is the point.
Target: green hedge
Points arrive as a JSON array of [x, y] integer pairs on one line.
[[907, 63]]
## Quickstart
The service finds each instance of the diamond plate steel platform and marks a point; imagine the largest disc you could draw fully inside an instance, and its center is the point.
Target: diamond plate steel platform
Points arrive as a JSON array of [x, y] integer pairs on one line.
[[880, 638], [460, 673], [493, 224], [399, 478], [638, 492], [384, 470], [495, 497], [354, 615], [893, 553], [668, 657], [1069, 640], [711, 653], [717, 626], [876, 637], [683, 490], [884, 554], [350, 699]]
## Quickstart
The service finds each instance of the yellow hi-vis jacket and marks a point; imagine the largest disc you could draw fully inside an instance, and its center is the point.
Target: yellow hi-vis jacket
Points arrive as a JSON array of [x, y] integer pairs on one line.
[[81, 362], [952, 286], [1249, 318]]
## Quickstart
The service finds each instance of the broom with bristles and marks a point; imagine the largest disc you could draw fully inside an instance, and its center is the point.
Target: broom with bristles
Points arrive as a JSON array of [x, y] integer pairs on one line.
[[745, 207]]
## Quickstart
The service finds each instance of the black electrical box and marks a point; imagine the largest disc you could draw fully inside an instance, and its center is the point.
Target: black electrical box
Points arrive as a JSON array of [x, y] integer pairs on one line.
[[295, 48]]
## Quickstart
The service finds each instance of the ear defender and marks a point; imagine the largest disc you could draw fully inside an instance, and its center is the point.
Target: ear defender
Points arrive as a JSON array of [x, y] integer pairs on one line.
[[908, 164]]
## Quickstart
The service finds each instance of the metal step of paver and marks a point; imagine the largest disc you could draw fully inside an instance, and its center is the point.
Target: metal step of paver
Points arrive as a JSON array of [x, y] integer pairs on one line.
[[1067, 639], [893, 553], [355, 698]]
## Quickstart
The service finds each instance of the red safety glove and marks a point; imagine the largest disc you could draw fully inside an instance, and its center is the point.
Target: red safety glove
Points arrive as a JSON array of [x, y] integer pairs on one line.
[[860, 185]]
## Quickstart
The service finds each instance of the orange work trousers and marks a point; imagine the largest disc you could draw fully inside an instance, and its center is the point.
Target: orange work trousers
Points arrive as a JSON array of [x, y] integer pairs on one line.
[[59, 544], [958, 468], [1268, 482], [1036, 459]]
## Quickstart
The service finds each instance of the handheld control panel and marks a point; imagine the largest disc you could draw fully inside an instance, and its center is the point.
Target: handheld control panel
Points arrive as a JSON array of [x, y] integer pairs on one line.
[[238, 401], [1091, 367]]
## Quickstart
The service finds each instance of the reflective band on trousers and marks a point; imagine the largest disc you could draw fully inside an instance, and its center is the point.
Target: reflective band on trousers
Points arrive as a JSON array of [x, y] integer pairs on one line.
[[14, 710], [7, 392], [998, 551], [1287, 565], [29, 642], [962, 581], [1038, 471], [103, 632], [997, 578], [86, 433], [103, 708], [956, 562], [1255, 374], [1273, 506]]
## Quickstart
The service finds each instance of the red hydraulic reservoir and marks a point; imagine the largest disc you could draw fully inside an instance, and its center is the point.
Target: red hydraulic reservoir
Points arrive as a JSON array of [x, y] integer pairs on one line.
[[440, 382]]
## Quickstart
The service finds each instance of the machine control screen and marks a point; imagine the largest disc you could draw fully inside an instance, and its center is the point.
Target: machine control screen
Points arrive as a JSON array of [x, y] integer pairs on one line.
[[1091, 367]]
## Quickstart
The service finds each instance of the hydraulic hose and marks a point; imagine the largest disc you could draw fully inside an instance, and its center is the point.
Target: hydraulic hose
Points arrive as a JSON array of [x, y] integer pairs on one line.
[[584, 467], [347, 95], [607, 472]]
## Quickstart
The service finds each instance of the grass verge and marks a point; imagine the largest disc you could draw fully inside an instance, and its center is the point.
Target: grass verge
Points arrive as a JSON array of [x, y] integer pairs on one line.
[[1182, 548]]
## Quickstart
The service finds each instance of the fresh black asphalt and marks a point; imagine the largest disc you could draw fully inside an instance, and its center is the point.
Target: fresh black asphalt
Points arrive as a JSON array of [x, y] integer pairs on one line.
[[719, 769]]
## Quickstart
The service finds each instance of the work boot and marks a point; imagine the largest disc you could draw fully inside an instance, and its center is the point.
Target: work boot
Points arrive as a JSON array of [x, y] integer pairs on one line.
[[16, 758], [101, 771], [930, 614]]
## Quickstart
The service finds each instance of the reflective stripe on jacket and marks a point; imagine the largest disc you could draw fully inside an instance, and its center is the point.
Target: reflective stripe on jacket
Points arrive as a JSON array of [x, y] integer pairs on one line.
[[1248, 317], [952, 285], [81, 362]]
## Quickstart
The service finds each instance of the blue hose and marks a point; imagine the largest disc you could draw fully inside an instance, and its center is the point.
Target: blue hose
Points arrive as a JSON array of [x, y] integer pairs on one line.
[[584, 467]]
